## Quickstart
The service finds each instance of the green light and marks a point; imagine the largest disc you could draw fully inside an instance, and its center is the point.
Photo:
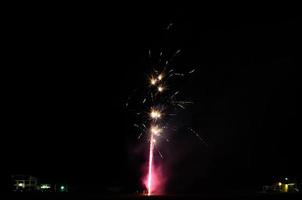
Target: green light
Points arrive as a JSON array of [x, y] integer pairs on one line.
[[62, 188]]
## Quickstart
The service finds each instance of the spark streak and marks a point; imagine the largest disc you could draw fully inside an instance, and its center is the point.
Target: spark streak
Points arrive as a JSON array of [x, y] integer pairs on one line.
[[198, 136], [161, 155], [140, 135], [169, 26], [181, 106], [192, 71]]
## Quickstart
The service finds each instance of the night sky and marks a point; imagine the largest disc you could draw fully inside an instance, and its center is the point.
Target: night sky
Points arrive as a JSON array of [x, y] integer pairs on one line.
[[67, 71]]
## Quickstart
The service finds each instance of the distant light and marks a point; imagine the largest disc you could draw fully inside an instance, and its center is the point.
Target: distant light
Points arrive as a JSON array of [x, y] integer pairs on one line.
[[286, 178], [286, 188], [280, 184], [62, 187], [45, 186], [21, 184]]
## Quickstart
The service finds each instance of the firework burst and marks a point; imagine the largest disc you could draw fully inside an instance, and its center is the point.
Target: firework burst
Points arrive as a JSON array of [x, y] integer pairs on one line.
[[159, 103]]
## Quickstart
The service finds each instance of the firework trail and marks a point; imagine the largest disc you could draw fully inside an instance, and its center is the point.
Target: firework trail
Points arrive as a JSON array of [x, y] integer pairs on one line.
[[150, 165], [159, 103]]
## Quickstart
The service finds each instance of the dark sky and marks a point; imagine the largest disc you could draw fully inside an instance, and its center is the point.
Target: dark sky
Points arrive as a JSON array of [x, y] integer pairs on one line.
[[68, 70]]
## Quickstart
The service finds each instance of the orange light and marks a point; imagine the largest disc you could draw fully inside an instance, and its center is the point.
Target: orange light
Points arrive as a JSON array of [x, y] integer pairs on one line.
[[153, 81], [160, 88]]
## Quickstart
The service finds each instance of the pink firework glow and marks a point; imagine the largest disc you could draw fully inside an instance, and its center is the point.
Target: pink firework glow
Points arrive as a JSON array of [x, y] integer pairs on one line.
[[150, 165], [154, 180]]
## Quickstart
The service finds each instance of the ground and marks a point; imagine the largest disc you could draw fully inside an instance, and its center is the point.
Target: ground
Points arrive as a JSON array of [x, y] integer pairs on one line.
[[163, 197]]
